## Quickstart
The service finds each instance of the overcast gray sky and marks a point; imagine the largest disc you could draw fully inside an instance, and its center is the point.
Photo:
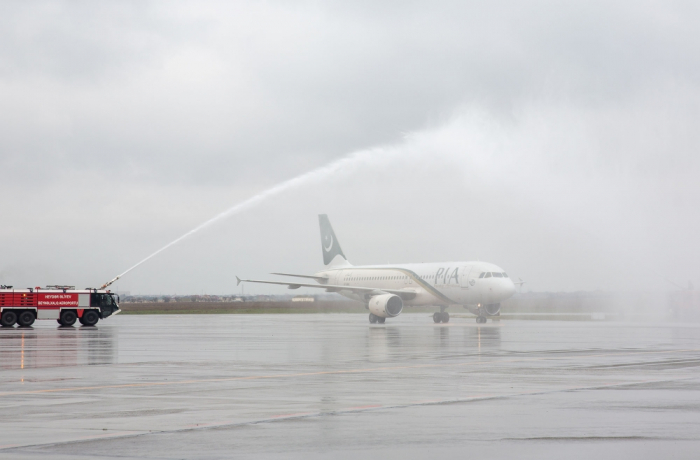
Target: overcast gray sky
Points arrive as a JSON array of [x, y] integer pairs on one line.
[[559, 140]]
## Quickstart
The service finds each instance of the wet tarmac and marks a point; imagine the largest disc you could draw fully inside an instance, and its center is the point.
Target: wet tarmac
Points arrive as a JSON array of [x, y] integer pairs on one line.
[[310, 386]]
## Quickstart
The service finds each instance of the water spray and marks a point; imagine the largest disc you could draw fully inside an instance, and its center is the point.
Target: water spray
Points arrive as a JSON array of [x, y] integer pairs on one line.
[[317, 174]]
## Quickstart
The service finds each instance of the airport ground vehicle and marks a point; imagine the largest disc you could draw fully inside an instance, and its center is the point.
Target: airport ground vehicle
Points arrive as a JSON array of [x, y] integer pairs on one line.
[[65, 304]]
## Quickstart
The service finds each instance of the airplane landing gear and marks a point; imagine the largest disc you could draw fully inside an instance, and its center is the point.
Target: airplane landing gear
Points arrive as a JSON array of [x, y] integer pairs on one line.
[[441, 317], [376, 319], [481, 319]]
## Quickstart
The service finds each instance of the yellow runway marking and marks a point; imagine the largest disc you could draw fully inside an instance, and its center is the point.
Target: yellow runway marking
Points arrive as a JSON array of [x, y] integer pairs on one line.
[[337, 372]]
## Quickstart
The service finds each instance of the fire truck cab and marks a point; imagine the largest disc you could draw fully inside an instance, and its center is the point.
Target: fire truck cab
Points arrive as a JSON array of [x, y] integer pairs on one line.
[[65, 304]]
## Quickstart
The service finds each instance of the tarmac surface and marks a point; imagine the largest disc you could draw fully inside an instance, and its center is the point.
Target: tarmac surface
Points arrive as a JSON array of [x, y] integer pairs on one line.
[[311, 386]]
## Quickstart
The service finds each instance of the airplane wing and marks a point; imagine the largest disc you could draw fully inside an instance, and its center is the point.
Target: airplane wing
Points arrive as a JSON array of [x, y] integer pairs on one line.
[[320, 279], [405, 294]]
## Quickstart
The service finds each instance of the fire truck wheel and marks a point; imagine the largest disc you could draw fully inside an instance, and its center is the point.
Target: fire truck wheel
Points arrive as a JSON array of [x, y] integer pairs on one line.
[[8, 318], [26, 318], [90, 318], [68, 318]]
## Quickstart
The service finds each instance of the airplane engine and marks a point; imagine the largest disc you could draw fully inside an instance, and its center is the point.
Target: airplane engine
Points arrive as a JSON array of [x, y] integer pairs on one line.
[[386, 305], [492, 309]]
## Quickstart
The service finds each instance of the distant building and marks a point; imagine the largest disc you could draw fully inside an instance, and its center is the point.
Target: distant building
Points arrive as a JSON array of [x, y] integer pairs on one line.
[[303, 298]]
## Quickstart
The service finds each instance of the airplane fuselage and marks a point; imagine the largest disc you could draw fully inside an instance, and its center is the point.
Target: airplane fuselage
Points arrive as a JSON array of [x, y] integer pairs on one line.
[[471, 284]]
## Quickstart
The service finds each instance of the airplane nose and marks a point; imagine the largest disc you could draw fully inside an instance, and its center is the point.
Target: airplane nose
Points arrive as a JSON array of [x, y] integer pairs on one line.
[[509, 289]]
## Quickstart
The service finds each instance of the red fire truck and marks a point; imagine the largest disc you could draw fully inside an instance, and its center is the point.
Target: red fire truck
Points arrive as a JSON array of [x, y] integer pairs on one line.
[[65, 304]]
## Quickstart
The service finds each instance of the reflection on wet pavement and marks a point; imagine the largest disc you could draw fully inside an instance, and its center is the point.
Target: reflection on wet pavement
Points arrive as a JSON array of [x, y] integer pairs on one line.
[[26, 348], [208, 386]]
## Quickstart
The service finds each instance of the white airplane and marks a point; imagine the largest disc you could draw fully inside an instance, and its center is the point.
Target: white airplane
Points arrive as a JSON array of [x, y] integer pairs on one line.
[[479, 287]]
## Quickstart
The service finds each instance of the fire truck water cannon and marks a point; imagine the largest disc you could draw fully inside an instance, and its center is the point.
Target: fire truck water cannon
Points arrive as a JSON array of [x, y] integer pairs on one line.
[[63, 303], [109, 283]]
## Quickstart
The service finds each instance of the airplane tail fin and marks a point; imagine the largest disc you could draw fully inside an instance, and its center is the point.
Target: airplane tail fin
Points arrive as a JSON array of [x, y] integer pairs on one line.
[[332, 254]]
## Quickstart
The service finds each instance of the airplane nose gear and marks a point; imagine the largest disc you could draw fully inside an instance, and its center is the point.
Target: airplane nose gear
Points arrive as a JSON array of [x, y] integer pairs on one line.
[[481, 319]]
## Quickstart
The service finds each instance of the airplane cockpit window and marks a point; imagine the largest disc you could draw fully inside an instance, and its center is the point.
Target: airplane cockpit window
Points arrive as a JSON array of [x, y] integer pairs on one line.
[[488, 275], [497, 275], [505, 275], [482, 274]]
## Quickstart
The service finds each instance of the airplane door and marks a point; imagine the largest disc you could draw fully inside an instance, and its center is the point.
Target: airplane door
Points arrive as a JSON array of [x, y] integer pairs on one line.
[[465, 281]]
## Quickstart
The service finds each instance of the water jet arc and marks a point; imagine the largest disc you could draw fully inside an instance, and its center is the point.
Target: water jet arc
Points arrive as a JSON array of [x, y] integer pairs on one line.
[[345, 163]]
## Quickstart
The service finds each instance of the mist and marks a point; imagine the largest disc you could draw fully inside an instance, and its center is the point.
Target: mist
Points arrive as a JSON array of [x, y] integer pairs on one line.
[[557, 141]]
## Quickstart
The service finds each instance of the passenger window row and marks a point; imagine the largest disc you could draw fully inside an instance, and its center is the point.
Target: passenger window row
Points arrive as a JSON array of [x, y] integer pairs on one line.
[[374, 278]]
